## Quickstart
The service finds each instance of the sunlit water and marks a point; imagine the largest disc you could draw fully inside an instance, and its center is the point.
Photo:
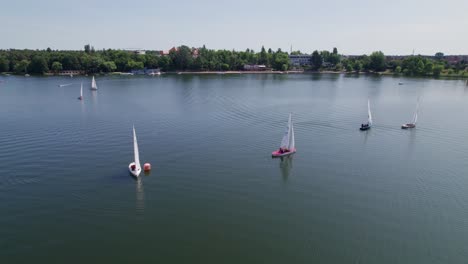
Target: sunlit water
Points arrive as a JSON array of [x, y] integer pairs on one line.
[[215, 195]]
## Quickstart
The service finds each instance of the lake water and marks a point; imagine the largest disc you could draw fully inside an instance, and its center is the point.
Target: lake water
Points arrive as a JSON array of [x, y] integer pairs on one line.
[[215, 195]]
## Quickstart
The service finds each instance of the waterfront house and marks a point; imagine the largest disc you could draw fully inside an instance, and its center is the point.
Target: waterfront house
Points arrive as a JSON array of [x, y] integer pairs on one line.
[[300, 60], [255, 67], [71, 72]]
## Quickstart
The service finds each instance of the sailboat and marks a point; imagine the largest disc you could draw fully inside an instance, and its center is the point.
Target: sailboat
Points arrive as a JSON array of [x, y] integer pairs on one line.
[[415, 119], [368, 125], [81, 92], [93, 84], [135, 167], [288, 144]]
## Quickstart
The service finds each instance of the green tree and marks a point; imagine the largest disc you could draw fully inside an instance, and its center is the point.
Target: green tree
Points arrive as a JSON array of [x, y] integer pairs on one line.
[[4, 64], [281, 61], [38, 65], [428, 68], [71, 62], [358, 66], [108, 66], [164, 63], [334, 59], [377, 61], [135, 65], [335, 51], [181, 58], [21, 66], [325, 55], [56, 66], [151, 61], [94, 64], [437, 69], [439, 56], [87, 48], [263, 57], [398, 69], [420, 67], [316, 60], [349, 66], [224, 66]]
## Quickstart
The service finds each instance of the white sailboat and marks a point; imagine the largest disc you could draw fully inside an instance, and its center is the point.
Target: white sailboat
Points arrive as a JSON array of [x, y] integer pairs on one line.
[[415, 119], [288, 143], [135, 167], [93, 84], [369, 118], [81, 92]]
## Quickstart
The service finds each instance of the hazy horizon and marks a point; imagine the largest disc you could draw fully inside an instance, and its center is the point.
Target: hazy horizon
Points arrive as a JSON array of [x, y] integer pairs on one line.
[[355, 28]]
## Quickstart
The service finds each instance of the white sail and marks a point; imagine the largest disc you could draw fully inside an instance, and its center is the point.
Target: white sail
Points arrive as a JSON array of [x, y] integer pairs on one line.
[[81, 91], [135, 149], [415, 118], [369, 113], [93, 84], [286, 136], [292, 143]]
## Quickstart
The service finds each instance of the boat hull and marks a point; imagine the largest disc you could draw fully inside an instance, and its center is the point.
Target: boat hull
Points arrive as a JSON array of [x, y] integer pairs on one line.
[[406, 126], [135, 172], [276, 153], [364, 128]]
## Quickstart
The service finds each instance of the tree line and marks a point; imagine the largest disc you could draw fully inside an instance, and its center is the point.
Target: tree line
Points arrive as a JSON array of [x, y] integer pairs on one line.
[[377, 62], [181, 58]]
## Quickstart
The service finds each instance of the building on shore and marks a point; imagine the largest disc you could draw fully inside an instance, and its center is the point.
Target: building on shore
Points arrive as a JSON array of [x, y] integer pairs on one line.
[[71, 72], [140, 52], [300, 60], [145, 71], [195, 52], [256, 67]]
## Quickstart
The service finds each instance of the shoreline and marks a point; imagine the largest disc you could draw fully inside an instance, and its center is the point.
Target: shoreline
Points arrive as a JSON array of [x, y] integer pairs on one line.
[[386, 73]]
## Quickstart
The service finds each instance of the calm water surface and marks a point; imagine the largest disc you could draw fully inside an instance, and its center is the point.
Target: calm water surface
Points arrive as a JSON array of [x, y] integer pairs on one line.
[[215, 195]]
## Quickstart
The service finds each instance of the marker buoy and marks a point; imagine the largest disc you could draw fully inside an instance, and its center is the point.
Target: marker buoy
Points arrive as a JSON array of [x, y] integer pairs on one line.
[[147, 167]]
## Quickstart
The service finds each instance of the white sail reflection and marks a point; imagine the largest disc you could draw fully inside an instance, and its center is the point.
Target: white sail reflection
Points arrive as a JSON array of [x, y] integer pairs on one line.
[[140, 196]]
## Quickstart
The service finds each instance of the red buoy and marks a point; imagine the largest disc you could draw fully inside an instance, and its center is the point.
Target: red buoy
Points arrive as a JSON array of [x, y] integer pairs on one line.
[[147, 167]]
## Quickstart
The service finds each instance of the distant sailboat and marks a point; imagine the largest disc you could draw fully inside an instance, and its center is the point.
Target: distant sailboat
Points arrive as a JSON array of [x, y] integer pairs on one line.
[[81, 92], [288, 143], [415, 119], [135, 167], [369, 118], [93, 84]]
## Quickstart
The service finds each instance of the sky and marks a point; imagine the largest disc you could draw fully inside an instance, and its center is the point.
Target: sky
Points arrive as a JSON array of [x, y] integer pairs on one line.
[[354, 27]]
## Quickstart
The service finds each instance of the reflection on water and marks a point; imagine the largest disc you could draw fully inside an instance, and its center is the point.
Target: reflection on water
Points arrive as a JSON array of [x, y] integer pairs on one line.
[[140, 196], [412, 140], [286, 165], [348, 189]]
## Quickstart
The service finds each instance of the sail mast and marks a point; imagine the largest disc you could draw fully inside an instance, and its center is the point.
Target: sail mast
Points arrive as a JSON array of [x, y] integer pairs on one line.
[[415, 118], [286, 136], [369, 112], [293, 141], [135, 149], [93, 84]]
